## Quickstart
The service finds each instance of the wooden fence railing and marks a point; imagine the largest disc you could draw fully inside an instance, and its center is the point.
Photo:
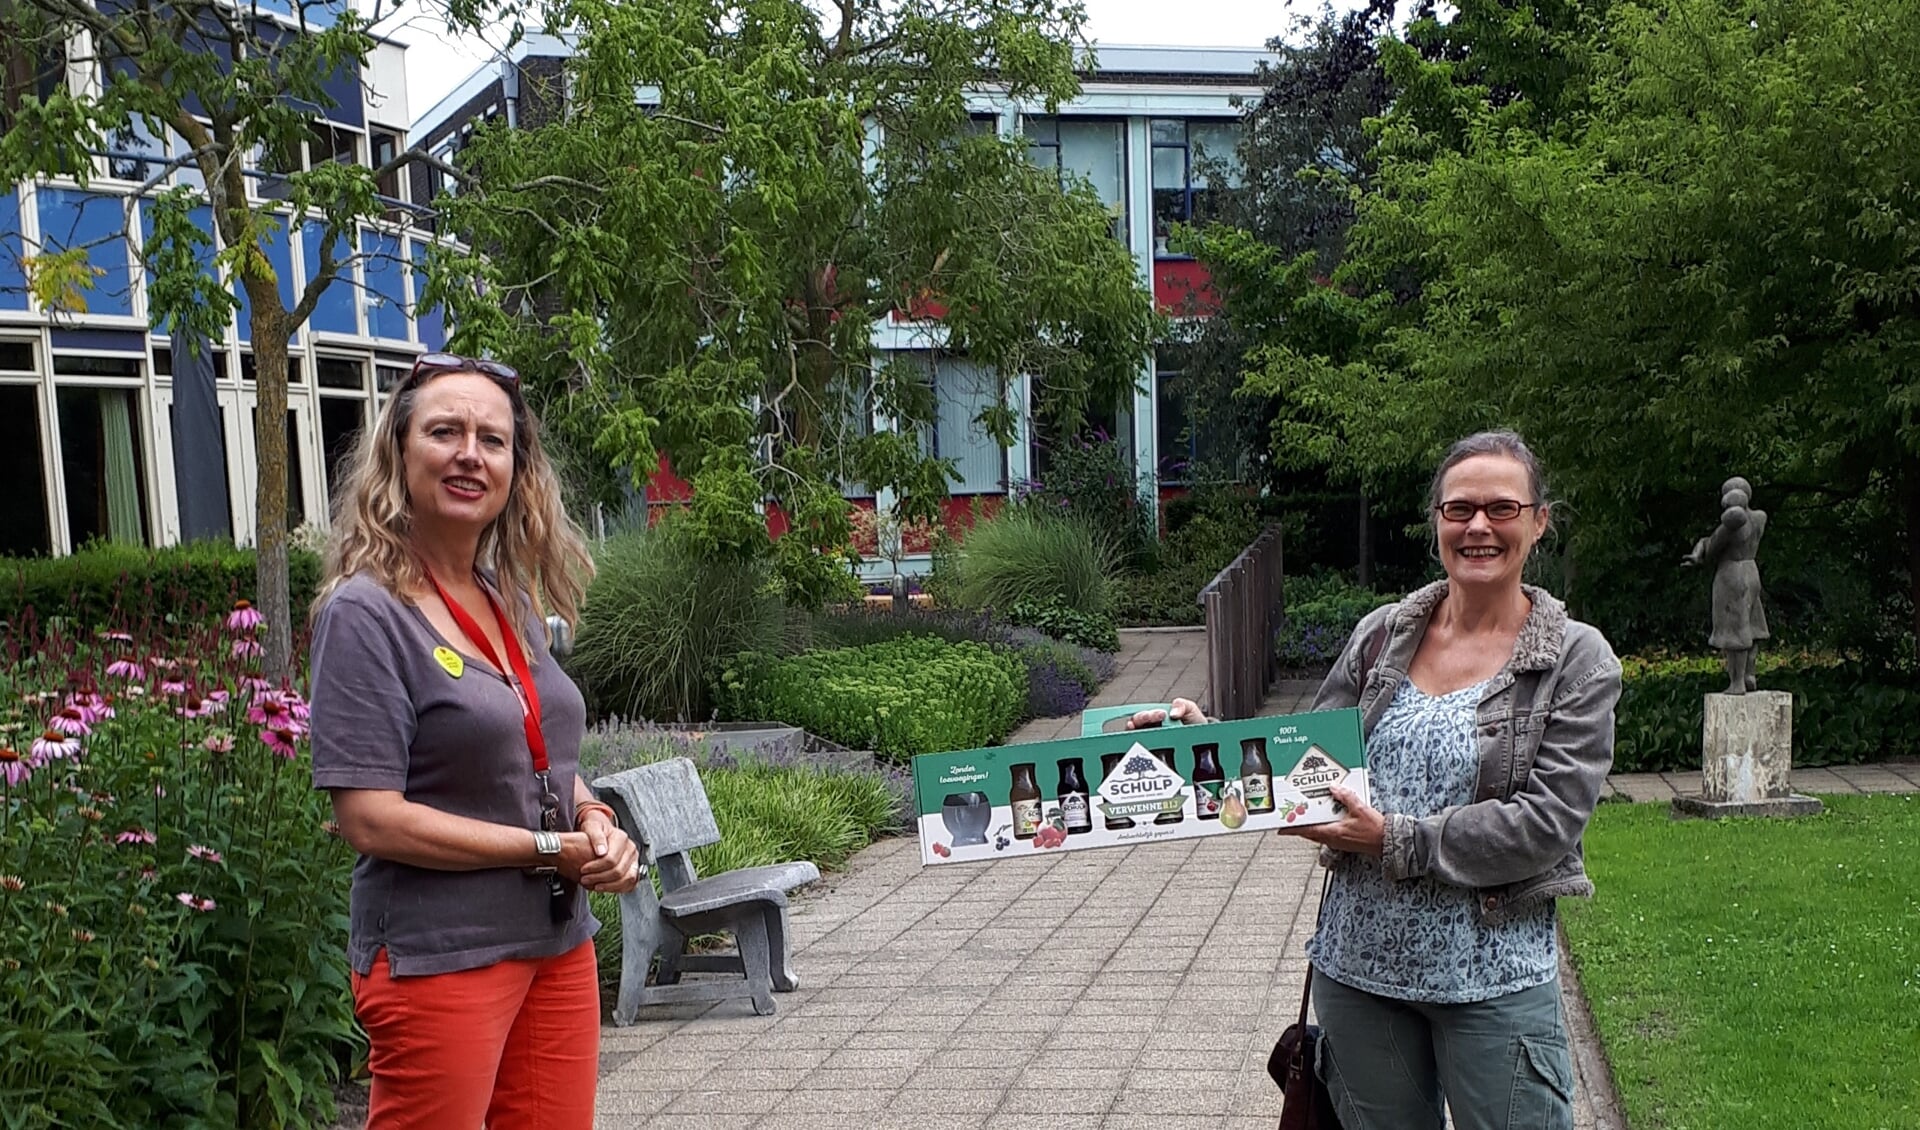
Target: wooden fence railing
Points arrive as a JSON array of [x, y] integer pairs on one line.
[[1244, 609]]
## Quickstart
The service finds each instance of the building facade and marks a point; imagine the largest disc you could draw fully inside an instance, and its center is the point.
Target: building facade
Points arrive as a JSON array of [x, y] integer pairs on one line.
[[87, 421], [1153, 131]]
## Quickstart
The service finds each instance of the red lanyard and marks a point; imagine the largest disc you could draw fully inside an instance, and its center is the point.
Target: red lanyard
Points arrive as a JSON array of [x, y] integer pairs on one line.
[[528, 694]]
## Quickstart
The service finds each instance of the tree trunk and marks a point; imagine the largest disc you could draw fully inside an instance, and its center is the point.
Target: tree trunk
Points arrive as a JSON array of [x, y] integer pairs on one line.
[[1364, 572], [270, 333]]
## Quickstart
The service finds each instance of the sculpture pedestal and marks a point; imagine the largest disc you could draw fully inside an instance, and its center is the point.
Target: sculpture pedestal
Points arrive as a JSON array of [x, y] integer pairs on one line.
[[1747, 759]]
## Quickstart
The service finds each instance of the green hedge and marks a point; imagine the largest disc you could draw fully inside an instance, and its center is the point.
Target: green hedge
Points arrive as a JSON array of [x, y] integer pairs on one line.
[[107, 585], [1322, 611], [906, 696], [1842, 712]]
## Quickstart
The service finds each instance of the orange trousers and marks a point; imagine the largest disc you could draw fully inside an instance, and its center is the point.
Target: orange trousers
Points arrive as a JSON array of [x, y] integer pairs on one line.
[[514, 1045]]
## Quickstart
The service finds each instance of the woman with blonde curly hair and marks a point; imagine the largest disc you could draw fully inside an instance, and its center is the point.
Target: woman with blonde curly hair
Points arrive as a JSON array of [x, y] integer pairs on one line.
[[451, 748]]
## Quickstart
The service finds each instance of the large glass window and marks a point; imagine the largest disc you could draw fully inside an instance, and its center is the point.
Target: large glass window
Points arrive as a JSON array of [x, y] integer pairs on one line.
[[296, 370], [1093, 151], [71, 219], [13, 275], [296, 478], [100, 463], [24, 530], [962, 391], [1174, 447], [386, 286], [431, 320], [393, 183], [1192, 161], [331, 143], [335, 312], [135, 151], [341, 373], [341, 419]]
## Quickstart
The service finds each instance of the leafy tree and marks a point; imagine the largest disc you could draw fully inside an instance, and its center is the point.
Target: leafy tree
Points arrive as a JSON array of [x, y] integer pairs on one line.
[[230, 84], [1285, 332], [700, 272], [1673, 243]]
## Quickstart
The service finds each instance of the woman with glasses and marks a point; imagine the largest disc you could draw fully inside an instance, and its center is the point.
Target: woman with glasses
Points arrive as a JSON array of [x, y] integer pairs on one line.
[[1488, 715], [449, 742], [1489, 721]]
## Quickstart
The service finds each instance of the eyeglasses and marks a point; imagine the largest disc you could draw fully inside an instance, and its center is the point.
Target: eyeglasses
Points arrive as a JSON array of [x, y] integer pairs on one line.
[[433, 364], [1499, 510]]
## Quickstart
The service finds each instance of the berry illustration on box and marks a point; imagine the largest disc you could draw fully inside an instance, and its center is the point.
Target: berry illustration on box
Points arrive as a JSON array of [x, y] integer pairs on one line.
[[1113, 787]]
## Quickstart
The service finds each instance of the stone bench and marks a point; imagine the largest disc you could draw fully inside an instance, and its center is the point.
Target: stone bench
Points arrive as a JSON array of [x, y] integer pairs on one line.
[[664, 808]]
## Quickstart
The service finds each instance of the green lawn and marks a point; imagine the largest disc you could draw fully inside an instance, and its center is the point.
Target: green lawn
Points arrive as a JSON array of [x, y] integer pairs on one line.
[[1757, 974]]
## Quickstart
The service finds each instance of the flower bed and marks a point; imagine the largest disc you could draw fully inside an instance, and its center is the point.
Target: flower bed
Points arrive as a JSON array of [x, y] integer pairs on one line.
[[172, 905]]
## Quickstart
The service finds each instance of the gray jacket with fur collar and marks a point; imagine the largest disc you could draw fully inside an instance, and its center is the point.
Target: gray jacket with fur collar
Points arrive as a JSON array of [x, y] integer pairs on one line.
[[1546, 745]]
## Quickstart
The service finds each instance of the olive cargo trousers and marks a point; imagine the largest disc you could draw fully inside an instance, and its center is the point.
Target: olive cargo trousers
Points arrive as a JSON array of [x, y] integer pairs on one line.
[[1499, 1064]]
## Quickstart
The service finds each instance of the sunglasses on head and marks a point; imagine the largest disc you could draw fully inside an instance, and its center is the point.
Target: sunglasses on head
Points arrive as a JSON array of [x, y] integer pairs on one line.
[[434, 364]]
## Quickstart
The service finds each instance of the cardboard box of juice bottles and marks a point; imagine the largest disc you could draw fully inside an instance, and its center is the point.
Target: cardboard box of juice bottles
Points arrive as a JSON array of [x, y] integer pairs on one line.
[[1119, 788]]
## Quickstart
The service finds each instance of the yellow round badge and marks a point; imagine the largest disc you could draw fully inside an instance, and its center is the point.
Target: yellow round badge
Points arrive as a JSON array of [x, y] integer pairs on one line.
[[451, 660]]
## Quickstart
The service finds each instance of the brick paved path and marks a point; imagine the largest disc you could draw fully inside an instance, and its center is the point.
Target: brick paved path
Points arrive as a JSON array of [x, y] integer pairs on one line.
[[1135, 987]]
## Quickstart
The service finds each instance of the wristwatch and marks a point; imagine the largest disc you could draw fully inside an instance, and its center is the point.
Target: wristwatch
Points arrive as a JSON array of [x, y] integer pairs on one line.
[[546, 845]]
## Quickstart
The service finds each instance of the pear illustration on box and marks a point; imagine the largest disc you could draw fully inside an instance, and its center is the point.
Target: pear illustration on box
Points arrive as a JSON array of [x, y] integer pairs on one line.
[[1156, 784]]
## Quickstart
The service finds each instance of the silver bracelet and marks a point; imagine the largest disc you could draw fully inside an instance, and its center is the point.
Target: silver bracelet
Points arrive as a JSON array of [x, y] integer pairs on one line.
[[546, 843]]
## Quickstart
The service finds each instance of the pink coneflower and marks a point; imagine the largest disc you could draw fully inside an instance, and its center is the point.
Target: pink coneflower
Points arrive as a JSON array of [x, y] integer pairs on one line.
[[117, 637], [193, 708], [247, 649], [83, 936], [254, 684], [12, 884], [218, 698], [218, 743], [149, 874], [203, 853], [194, 902], [126, 669], [296, 704], [161, 663], [71, 720], [281, 742], [13, 768], [135, 836], [92, 706], [173, 686], [244, 617], [134, 690], [269, 709], [53, 745]]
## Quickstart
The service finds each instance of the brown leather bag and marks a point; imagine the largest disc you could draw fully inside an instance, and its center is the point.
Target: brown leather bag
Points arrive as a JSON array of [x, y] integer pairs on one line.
[[1308, 1106]]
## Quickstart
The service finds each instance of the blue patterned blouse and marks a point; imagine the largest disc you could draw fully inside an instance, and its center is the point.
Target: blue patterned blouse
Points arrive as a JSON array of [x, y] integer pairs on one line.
[[1420, 939]]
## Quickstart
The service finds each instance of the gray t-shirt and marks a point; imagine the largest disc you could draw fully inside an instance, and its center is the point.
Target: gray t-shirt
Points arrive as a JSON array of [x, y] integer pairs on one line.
[[387, 714]]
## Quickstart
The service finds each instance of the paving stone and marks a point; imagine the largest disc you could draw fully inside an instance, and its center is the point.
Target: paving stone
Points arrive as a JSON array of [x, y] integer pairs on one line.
[[1106, 1080], [855, 1079], [725, 1102], [1073, 1106], [959, 1100], [853, 1101]]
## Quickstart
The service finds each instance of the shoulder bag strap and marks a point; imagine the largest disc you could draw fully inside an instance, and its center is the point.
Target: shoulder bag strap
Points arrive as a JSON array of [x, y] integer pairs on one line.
[[1306, 994]]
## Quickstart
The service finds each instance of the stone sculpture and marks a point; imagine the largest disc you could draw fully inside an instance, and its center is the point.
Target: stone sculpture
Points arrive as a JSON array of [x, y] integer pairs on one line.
[[1746, 742], [1739, 620]]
